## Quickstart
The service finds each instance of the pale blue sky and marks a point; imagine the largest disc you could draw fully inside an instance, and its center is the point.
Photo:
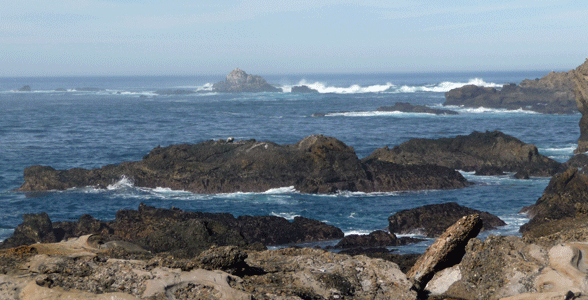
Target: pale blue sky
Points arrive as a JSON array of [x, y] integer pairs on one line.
[[134, 37]]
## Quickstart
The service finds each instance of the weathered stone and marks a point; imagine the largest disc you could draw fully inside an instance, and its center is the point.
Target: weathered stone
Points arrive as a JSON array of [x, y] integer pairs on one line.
[[580, 79], [471, 153], [446, 251], [316, 164], [432, 220], [25, 88], [552, 94], [378, 238], [240, 82], [35, 228], [303, 89]]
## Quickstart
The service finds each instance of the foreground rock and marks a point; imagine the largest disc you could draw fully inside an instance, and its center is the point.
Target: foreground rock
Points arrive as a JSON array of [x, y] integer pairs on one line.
[[472, 153], [181, 233], [409, 108], [564, 202], [552, 94], [580, 79], [445, 252], [240, 82], [316, 164], [432, 220]]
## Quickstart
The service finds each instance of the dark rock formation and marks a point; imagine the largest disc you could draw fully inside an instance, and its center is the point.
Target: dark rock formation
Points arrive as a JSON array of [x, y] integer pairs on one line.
[[378, 238], [25, 88], [552, 94], [489, 170], [175, 231], [580, 79], [472, 153], [240, 82], [35, 228], [409, 108], [445, 252], [564, 199], [303, 89], [316, 164], [432, 220]]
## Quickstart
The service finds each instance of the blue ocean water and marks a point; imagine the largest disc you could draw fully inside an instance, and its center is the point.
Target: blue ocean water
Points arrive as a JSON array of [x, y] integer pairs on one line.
[[124, 119]]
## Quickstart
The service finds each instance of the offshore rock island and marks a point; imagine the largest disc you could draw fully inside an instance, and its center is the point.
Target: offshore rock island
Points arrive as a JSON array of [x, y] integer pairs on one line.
[[316, 164]]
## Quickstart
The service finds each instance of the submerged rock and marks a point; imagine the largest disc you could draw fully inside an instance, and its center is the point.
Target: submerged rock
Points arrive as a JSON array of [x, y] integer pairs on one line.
[[432, 220], [407, 107], [240, 82], [473, 152], [174, 92], [316, 164], [552, 94]]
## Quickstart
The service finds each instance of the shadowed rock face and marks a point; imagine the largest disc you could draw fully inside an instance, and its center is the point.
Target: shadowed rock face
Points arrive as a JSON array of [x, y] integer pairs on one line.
[[179, 232], [566, 197], [316, 164], [433, 220], [240, 82], [581, 91], [552, 94], [474, 152]]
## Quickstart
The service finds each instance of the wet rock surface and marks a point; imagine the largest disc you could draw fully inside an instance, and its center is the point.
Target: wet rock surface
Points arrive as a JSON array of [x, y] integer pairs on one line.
[[552, 94], [316, 164], [477, 151], [432, 220], [303, 89], [240, 82]]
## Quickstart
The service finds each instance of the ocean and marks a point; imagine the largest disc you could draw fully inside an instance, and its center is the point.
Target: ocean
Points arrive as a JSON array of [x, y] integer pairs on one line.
[[63, 124]]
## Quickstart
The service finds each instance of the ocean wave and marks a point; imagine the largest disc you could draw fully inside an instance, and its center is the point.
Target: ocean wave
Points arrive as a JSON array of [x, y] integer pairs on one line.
[[568, 149], [388, 87], [358, 232], [485, 110], [378, 114], [285, 215]]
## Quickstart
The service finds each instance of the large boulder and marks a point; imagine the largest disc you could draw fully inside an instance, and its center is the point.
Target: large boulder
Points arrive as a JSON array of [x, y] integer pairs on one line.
[[564, 202], [316, 164], [473, 152], [580, 80], [240, 82], [552, 94], [445, 252], [432, 220], [303, 89], [35, 228]]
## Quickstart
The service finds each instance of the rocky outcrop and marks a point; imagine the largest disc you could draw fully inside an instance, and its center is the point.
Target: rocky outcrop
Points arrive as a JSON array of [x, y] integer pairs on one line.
[[303, 89], [174, 92], [432, 220], [378, 238], [580, 79], [240, 82], [564, 200], [25, 88], [472, 153], [409, 108], [181, 233], [445, 252], [316, 164], [552, 94]]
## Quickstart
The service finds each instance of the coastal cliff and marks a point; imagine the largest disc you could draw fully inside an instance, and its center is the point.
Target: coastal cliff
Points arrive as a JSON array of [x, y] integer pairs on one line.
[[581, 91]]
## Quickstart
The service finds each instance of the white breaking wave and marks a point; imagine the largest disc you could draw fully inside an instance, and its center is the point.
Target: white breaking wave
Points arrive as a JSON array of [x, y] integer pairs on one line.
[[377, 114], [287, 216], [568, 149], [389, 87], [282, 190], [358, 232], [124, 183], [485, 110]]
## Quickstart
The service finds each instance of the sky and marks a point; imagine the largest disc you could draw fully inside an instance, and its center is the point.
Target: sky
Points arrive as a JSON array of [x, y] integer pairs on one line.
[[195, 37]]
